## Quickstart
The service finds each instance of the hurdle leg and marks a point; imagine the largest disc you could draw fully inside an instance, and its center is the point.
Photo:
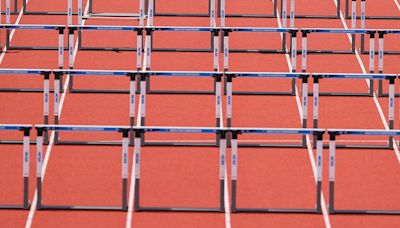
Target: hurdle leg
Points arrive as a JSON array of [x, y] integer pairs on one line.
[[218, 105], [319, 170], [25, 167], [229, 100], [371, 61], [138, 140], [304, 107], [61, 54], [222, 167], [143, 104], [362, 25], [71, 51], [46, 103], [56, 103], [39, 162], [125, 159], [304, 52], [315, 106], [293, 54], [332, 164], [132, 104], [8, 21], [381, 54], [353, 25], [234, 170], [391, 108]]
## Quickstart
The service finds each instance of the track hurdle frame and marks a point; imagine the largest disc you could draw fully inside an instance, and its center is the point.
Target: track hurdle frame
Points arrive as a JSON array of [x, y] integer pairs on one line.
[[333, 133], [132, 98], [221, 134], [214, 31], [293, 76], [211, 9], [222, 12], [8, 10], [292, 11], [92, 13], [142, 106], [283, 31], [234, 143], [390, 77], [363, 12], [28, 12], [25, 128], [125, 157]]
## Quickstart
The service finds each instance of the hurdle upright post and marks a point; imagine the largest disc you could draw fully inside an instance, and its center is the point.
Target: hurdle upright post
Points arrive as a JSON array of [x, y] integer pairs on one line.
[[125, 159], [315, 105], [46, 102], [304, 51], [69, 12], [137, 160], [132, 102], [362, 25], [222, 168], [320, 147], [304, 104], [141, 13], [212, 14], [234, 170], [371, 60], [391, 108], [229, 97], [8, 21], [150, 13], [381, 53], [293, 54], [353, 24], [332, 164], [222, 12], [25, 166], [57, 79], [39, 162]]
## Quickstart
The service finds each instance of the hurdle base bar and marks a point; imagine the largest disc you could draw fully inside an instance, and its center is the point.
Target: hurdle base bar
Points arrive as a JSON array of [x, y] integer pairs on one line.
[[272, 145], [91, 208], [360, 146], [276, 210], [343, 94], [110, 14], [369, 212], [88, 143], [177, 209], [14, 207]]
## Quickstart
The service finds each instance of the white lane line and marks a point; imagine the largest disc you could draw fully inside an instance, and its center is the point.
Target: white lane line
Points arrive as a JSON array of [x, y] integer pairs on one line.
[[309, 146], [375, 98], [397, 4], [32, 210]]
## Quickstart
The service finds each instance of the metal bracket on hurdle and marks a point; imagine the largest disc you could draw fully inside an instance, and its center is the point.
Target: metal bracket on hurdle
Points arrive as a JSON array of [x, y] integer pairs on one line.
[[276, 131], [304, 100], [92, 13], [151, 29], [82, 28], [292, 11], [211, 6], [390, 77], [124, 163], [333, 133], [132, 99], [222, 11], [139, 131], [283, 31], [363, 11], [25, 163], [142, 108]]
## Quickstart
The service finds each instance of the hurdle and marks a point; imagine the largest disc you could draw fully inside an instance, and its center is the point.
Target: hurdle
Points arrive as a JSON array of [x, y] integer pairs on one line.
[[26, 11], [381, 35], [276, 131], [363, 12], [292, 11], [222, 12], [210, 11], [82, 128], [92, 13], [142, 104], [221, 132], [8, 8], [293, 76], [214, 31], [316, 92], [227, 30], [132, 75], [333, 133], [82, 28], [25, 128]]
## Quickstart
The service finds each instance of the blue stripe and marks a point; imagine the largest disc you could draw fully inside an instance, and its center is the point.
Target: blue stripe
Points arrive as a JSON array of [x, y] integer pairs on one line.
[[38, 72], [13, 128], [88, 128], [346, 31], [344, 76], [360, 132], [278, 131], [96, 73], [42, 27]]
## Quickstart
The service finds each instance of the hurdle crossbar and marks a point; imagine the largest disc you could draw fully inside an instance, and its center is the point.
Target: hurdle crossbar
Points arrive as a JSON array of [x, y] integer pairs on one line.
[[292, 11], [214, 31], [363, 12], [218, 106], [293, 76], [221, 132], [316, 93], [82, 28], [25, 128], [82, 128], [333, 133], [223, 13], [276, 131], [132, 75], [282, 49]]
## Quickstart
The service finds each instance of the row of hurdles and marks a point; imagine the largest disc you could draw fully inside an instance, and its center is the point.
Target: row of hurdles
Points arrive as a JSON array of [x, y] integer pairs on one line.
[[138, 84], [222, 148]]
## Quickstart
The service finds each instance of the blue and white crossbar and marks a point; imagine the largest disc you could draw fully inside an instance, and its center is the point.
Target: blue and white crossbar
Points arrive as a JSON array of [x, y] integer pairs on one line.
[[389, 31], [14, 127], [293, 131], [31, 26], [107, 27], [183, 73], [268, 74], [104, 128], [334, 30], [96, 72], [23, 71], [247, 29], [364, 132], [182, 28], [354, 75]]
